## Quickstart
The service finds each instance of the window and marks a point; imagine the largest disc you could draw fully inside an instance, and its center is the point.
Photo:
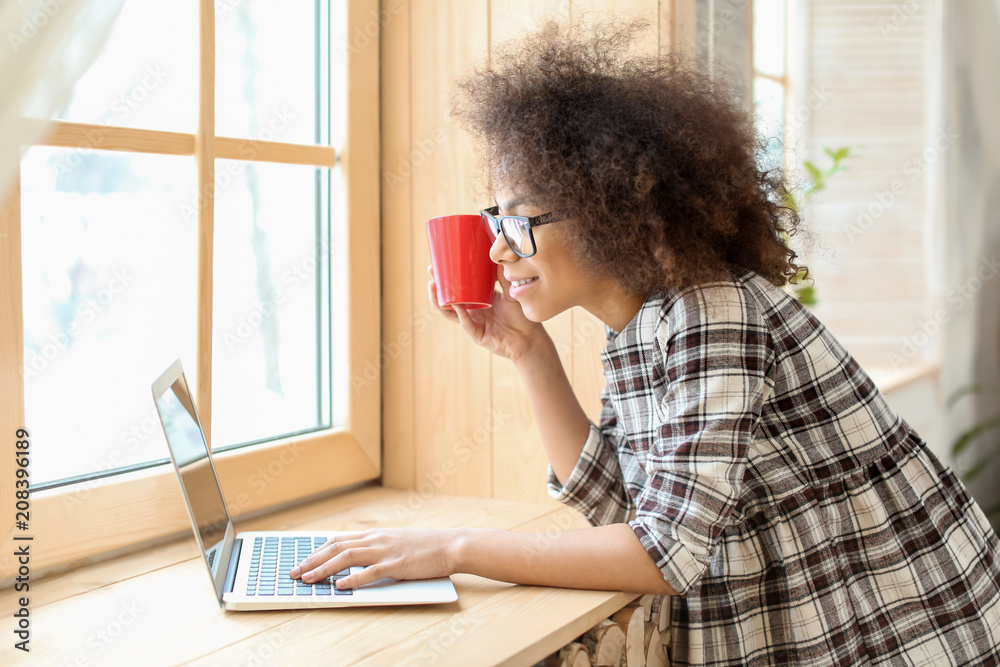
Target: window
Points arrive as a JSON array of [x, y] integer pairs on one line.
[[223, 210], [866, 84], [770, 74], [851, 91], [722, 42], [743, 42]]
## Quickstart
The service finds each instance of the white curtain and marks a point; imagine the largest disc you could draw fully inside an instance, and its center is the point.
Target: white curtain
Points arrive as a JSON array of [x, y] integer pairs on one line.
[[968, 226], [47, 46]]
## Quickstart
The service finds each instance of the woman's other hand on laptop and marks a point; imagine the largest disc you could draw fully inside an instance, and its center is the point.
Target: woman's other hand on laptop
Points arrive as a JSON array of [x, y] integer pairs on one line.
[[397, 553]]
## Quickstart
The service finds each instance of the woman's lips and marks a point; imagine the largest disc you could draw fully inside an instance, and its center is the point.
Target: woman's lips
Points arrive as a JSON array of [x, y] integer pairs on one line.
[[519, 285]]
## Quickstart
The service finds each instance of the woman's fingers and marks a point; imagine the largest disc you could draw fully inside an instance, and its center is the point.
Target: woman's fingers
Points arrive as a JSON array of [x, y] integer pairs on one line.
[[398, 553], [347, 557], [365, 576], [432, 296], [474, 328], [330, 549], [339, 553], [381, 553]]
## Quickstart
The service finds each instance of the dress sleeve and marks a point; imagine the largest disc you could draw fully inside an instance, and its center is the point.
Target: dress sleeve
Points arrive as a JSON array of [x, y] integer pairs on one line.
[[596, 487], [717, 354]]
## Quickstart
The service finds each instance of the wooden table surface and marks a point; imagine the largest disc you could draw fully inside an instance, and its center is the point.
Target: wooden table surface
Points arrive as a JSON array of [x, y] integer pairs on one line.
[[157, 607]]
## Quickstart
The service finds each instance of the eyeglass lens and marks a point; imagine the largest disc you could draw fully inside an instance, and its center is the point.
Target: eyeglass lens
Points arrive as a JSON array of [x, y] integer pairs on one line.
[[513, 229], [517, 232]]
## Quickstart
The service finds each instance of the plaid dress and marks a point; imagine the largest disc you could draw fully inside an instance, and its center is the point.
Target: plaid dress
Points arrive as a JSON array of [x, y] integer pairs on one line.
[[799, 518]]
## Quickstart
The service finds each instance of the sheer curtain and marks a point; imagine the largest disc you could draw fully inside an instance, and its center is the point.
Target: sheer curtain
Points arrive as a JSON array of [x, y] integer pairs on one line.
[[48, 45], [967, 236]]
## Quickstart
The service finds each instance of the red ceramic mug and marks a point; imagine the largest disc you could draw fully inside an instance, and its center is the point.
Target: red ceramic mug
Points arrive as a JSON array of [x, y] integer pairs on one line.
[[460, 254]]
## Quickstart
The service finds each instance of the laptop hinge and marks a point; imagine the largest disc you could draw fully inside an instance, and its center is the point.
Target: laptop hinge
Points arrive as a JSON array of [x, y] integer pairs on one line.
[[234, 559]]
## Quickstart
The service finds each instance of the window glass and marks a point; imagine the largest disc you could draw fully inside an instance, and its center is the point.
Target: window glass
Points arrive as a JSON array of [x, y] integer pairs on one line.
[[769, 105], [267, 65], [769, 37], [109, 270], [271, 328], [147, 75]]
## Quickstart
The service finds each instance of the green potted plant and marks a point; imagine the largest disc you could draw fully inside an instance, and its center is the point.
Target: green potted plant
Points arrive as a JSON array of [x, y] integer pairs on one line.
[[988, 425]]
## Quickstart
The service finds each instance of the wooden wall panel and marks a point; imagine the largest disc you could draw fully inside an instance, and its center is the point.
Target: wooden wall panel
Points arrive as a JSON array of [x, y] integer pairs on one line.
[[401, 305], [512, 18], [519, 460], [682, 33], [587, 338], [452, 391], [648, 10]]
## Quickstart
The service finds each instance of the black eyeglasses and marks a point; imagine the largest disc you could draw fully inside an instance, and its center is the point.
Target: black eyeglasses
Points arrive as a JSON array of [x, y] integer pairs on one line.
[[516, 229]]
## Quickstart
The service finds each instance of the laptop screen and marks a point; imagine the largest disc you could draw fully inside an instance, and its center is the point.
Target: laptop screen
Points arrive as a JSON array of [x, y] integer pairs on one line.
[[195, 471]]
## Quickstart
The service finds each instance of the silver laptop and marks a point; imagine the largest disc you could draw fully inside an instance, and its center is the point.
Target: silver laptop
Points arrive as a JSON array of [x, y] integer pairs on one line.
[[249, 570]]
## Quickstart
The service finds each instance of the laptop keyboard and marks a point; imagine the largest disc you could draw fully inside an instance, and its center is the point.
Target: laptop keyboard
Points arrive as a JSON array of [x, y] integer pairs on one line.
[[273, 557]]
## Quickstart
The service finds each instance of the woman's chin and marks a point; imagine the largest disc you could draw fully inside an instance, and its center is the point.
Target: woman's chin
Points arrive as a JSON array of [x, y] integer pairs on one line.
[[539, 315], [530, 315]]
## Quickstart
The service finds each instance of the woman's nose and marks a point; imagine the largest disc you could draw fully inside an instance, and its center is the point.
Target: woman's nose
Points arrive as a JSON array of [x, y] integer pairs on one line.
[[501, 252]]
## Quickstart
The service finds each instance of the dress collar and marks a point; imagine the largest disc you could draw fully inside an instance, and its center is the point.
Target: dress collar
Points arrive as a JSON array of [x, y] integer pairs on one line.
[[641, 329]]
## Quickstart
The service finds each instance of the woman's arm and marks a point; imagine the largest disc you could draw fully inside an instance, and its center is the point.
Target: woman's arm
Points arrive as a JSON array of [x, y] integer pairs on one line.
[[562, 423], [608, 558], [572, 446], [605, 558], [505, 331]]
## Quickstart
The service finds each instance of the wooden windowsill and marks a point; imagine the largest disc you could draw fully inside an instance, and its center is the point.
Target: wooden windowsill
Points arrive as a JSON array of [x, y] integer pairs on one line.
[[889, 379], [157, 607]]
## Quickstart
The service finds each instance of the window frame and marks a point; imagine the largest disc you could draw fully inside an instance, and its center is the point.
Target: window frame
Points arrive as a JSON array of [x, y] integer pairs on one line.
[[74, 522], [785, 81]]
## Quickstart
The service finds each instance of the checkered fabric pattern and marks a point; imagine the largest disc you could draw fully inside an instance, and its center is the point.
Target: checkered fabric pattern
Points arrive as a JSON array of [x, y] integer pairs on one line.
[[800, 519]]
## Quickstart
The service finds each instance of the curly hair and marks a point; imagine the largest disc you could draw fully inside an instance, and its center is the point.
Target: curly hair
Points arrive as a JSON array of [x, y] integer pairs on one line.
[[655, 162]]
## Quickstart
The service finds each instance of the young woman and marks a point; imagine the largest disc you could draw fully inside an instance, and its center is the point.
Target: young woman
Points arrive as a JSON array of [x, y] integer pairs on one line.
[[743, 461]]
